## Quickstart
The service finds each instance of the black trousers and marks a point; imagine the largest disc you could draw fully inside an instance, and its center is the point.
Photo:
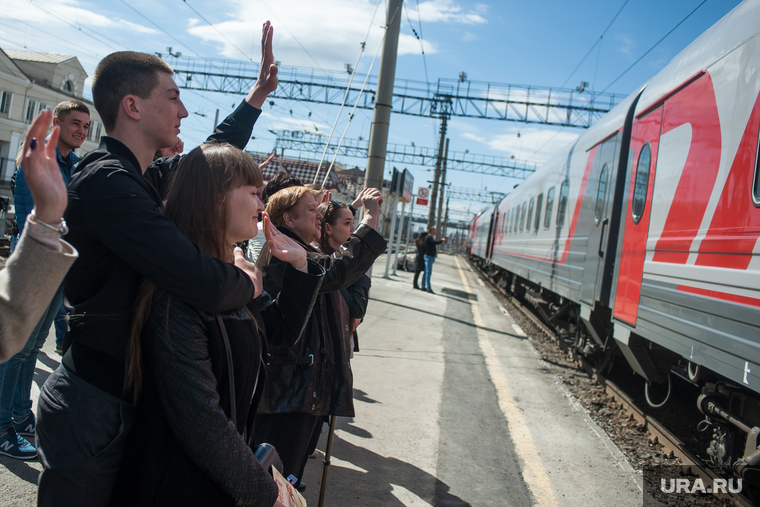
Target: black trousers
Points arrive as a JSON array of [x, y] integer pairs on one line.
[[417, 272], [290, 433]]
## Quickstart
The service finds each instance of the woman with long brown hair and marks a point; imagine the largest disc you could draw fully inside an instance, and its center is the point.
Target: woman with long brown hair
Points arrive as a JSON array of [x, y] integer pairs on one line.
[[193, 374]]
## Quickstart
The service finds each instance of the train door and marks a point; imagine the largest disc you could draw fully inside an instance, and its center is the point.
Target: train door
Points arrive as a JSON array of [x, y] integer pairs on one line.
[[491, 235], [645, 141], [595, 217]]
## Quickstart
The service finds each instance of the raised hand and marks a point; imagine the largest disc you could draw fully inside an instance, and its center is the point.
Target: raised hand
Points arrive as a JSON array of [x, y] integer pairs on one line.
[[41, 170], [359, 201], [281, 246], [267, 161], [250, 269], [267, 81], [326, 196]]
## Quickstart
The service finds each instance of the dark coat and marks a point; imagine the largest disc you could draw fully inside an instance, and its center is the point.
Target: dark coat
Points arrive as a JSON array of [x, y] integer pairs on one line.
[[419, 259], [185, 449], [431, 245], [313, 374], [118, 226]]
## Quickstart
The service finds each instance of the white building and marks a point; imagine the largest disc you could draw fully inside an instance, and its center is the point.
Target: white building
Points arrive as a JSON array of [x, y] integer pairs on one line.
[[29, 83]]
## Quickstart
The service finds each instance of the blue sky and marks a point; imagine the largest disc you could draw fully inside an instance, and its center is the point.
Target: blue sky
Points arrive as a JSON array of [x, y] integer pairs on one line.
[[538, 42]]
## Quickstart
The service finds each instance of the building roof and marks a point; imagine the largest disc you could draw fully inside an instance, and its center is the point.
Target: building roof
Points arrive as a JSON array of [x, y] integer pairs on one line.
[[33, 56], [304, 170]]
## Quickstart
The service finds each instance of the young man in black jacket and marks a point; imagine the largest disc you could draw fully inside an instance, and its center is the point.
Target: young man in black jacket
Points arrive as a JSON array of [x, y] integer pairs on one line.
[[118, 227]]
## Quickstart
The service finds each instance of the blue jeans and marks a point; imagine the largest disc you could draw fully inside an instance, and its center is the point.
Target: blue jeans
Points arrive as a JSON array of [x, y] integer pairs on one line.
[[17, 374], [429, 260]]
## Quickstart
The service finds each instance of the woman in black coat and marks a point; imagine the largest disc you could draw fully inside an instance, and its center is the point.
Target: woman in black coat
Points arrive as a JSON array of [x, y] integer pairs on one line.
[[195, 375], [419, 260]]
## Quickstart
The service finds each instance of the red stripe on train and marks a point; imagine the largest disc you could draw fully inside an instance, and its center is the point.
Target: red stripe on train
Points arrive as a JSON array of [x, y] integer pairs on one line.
[[725, 296]]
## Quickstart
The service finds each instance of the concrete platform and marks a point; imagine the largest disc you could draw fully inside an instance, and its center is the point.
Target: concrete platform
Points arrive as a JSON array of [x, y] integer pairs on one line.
[[453, 408]]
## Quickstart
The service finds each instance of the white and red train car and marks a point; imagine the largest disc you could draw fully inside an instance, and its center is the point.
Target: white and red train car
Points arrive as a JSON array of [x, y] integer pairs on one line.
[[643, 235]]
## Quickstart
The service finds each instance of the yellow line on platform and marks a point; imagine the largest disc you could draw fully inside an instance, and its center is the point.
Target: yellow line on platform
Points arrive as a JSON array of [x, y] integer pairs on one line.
[[534, 473]]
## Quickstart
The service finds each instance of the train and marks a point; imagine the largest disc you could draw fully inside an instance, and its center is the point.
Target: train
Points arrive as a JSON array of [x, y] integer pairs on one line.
[[640, 240]]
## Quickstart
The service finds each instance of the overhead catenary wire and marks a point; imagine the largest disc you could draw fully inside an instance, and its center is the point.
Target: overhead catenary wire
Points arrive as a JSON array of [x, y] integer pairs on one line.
[[184, 44], [294, 37], [598, 41], [345, 96], [655, 45], [247, 57], [361, 91], [89, 32]]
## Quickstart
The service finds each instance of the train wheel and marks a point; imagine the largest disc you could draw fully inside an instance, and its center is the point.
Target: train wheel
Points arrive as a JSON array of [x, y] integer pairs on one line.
[[657, 395]]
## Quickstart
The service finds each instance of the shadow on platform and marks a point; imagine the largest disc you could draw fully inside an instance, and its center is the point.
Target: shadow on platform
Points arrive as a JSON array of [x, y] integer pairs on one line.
[[21, 469], [378, 476], [490, 330]]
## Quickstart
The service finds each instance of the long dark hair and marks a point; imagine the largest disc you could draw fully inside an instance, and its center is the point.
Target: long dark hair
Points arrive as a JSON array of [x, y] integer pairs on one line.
[[329, 211], [196, 203], [420, 241]]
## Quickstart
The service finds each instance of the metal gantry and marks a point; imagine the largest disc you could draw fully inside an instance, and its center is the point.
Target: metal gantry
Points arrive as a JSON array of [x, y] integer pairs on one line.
[[307, 142], [473, 195], [445, 97]]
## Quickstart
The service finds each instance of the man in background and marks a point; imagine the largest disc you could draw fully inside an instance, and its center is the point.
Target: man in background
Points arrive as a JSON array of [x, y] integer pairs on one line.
[[16, 417]]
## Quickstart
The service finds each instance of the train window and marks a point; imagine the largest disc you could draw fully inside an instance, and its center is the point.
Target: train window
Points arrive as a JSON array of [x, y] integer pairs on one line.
[[530, 213], [539, 202], [549, 208], [601, 194], [506, 223], [514, 219], [641, 183], [562, 207], [522, 216]]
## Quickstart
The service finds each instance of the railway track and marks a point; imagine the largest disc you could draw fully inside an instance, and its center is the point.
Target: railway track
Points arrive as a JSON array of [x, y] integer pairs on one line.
[[659, 435]]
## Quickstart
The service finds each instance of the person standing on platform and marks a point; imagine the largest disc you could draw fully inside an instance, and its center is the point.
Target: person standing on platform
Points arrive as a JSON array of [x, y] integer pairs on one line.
[[117, 224], [337, 227], [36, 268], [431, 251], [199, 371], [72, 117], [299, 386], [419, 259]]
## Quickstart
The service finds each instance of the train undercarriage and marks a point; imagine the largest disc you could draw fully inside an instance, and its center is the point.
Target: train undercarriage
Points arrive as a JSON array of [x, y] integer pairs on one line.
[[732, 412]]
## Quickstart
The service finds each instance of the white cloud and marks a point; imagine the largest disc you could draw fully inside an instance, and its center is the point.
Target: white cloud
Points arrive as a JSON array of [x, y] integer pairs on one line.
[[51, 14], [469, 37], [446, 11], [324, 34], [276, 122], [534, 144]]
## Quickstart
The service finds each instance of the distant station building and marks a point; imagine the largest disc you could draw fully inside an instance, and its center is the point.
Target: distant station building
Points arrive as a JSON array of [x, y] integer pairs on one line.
[[29, 83], [345, 184]]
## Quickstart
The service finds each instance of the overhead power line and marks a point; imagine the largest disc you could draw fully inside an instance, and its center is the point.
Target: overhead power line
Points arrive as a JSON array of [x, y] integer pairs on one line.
[[655, 45], [184, 44], [247, 57]]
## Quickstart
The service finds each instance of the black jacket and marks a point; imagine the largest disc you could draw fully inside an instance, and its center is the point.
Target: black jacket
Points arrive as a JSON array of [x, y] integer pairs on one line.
[[122, 235], [431, 245], [313, 374], [185, 448]]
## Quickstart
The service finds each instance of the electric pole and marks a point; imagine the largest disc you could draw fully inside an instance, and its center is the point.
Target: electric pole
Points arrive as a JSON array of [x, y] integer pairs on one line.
[[381, 118], [441, 189]]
